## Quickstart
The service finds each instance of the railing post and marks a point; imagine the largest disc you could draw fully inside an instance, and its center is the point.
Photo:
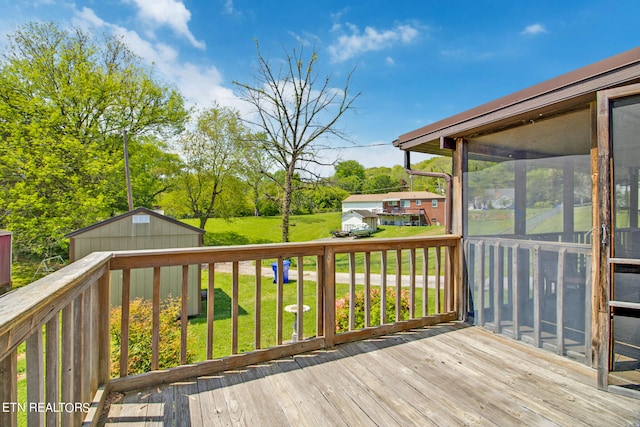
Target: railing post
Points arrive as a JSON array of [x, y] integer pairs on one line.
[[320, 302], [52, 392], [516, 291], [352, 291], [537, 315], [235, 284], [184, 314], [78, 354], [155, 320], [398, 285], [124, 327], [329, 294], [258, 306], [104, 338], [560, 302], [479, 278], [211, 306], [9, 388], [279, 300], [67, 373], [35, 376], [498, 288], [367, 289]]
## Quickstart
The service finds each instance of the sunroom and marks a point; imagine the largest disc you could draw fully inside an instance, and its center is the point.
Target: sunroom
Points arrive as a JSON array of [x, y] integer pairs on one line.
[[545, 195]]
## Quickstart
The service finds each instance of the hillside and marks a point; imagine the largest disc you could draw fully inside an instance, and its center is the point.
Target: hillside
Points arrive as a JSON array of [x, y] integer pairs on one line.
[[255, 230]]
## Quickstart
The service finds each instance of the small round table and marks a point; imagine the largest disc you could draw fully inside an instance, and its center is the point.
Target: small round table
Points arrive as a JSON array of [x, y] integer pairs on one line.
[[293, 308]]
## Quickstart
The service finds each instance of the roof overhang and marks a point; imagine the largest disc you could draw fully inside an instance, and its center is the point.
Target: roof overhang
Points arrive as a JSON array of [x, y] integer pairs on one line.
[[570, 92]]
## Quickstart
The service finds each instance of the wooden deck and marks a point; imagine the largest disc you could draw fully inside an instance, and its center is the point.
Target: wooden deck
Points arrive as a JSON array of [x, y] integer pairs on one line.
[[450, 374]]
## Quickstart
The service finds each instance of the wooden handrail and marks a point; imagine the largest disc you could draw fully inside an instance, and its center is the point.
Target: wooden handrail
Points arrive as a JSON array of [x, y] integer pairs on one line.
[[75, 302], [78, 296]]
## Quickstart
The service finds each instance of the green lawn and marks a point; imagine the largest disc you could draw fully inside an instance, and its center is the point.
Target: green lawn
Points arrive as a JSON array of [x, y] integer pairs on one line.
[[304, 228], [539, 221], [246, 318], [254, 230]]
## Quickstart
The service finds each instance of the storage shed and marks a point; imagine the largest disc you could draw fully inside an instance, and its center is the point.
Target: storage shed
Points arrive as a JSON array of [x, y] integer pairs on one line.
[[356, 216], [142, 229], [5, 261]]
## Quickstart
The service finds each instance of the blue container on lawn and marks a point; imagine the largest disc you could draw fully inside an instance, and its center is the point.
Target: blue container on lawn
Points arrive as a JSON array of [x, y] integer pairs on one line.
[[285, 270]]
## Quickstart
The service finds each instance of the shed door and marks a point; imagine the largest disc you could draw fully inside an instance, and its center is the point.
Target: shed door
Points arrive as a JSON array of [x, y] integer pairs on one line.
[[622, 242]]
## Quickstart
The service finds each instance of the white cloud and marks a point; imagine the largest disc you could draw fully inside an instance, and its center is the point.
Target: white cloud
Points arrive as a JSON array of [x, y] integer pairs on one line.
[[370, 39], [171, 13], [88, 16], [534, 29], [228, 7], [389, 61], [200, 85]]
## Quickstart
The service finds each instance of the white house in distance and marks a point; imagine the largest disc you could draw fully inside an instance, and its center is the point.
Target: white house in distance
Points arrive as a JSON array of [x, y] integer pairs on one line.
[[396, 208], [365, 202]]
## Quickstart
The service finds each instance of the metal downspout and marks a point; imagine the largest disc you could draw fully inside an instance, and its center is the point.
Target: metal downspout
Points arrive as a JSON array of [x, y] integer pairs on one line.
[[447, 178]]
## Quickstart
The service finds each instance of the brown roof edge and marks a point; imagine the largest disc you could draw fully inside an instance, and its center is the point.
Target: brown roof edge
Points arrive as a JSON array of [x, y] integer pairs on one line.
[[141, 210], [597, 68]]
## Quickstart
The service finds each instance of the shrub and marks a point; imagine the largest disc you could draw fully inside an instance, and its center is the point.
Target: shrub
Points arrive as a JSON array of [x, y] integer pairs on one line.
[[140, 335], [342, 308]]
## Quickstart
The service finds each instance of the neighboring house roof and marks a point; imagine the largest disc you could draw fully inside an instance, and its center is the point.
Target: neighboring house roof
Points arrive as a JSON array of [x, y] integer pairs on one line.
[[354, 198], [138, 211], [394, 195], [413, 195], [568, 92]]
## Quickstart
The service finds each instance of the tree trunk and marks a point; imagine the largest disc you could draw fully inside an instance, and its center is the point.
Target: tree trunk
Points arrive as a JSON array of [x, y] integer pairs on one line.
[[203, 221], [286, 204], [256, 199]]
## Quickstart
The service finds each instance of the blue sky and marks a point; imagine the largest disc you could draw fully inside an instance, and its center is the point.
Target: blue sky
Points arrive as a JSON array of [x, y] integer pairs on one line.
[[415, 62]]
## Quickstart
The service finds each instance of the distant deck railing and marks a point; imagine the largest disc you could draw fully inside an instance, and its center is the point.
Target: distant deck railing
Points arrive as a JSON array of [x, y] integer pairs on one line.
[[64, 317], [533, 290]]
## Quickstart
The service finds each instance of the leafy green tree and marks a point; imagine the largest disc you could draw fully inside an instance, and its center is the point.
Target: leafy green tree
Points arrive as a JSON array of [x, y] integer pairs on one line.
[[213, 154], [297, 110], [381, 183], [257, 162], [65, 99], [349, 175], [153, 171]]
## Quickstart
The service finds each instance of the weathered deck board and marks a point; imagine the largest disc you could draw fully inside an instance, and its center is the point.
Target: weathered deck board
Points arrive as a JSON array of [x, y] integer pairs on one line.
[[443, 375]]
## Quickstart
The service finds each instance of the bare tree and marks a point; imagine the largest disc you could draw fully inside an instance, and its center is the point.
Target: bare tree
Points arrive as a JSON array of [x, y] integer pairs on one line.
[[297, 109]]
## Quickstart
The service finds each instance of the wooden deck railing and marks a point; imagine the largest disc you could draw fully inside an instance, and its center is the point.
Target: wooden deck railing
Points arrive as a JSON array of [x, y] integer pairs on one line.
[[67, 371], [534, 290]]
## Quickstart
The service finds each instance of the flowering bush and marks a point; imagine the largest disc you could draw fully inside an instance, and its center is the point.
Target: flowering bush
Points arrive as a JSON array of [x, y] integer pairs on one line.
[[140, 334], [342, 308]]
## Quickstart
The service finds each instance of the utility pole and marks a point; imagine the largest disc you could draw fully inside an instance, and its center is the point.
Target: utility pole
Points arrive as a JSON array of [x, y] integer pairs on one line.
[[126, 170]]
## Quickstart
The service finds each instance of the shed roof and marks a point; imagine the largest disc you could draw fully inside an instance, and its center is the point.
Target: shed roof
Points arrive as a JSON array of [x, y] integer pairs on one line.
[[137, 211], [570, 91], [363, 213]]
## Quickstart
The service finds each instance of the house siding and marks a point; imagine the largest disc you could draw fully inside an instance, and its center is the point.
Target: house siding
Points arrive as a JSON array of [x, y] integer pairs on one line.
[[423, 213]]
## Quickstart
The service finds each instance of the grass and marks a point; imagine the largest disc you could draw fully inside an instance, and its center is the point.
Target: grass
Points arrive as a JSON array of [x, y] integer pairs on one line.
[[304, 228], [254, 230], [246, 318], [501, 221]]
